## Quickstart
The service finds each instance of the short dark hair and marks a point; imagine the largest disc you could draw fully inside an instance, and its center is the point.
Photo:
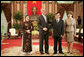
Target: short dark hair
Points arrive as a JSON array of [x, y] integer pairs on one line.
[[26, 16], [57, 13]]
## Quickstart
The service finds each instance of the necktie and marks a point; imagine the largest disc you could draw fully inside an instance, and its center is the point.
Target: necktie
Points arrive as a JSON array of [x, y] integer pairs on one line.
[[45, 18], [57, 21]]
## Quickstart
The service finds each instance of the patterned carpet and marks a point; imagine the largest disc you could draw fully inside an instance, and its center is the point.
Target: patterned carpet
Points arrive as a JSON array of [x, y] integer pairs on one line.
[[15, 49]]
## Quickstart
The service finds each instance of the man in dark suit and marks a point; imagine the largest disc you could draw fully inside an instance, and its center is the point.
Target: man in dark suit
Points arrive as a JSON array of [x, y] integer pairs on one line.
[[43, 31], [58, 32]]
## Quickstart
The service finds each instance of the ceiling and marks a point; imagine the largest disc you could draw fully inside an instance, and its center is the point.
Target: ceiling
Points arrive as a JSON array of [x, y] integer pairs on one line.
[[5, 1], [66, 2]]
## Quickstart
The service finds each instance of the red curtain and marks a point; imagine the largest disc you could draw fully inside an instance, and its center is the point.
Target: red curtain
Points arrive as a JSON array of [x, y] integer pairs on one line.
[[31, 4]]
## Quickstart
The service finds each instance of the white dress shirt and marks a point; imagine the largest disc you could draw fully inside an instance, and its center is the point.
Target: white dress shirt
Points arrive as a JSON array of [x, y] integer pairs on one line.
[[44, 18], [58, 20]]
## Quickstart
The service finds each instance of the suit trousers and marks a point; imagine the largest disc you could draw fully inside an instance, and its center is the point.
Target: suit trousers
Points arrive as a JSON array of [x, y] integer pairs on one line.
[[44, 37], [57, 38]]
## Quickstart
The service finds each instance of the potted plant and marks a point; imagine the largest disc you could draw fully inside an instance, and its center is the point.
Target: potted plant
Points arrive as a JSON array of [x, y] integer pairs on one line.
[[17, 27], [18, 16], [50, 16]]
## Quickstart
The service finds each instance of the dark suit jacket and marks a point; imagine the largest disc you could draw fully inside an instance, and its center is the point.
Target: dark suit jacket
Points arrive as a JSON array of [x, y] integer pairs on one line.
[[42, 23], [58, 28]]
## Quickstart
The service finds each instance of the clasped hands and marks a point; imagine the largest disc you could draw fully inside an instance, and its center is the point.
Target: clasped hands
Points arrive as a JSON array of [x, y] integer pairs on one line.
[[45, 29], [28, 31]]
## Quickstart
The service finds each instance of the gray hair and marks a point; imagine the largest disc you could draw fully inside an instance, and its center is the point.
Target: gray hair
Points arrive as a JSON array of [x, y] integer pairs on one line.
[[42, 9]]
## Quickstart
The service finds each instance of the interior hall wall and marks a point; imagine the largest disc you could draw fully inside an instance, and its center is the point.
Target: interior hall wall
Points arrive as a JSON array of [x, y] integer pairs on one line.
[[80, 10], [62, 7]]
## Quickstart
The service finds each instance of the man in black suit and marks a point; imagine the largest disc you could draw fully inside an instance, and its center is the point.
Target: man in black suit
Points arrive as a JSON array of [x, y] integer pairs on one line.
[[58, 32], [43, 31]]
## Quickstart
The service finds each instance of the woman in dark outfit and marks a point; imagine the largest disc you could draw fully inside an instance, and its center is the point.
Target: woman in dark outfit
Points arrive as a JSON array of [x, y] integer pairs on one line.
[[27, 28]]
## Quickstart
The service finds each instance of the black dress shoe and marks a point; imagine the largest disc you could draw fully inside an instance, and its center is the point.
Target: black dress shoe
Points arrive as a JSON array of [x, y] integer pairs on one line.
[[41, 52], [61, 52], [55, 53], [68, 52]]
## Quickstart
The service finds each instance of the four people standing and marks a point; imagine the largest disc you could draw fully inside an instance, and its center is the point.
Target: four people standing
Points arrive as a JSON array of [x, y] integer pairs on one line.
[[58, 32]]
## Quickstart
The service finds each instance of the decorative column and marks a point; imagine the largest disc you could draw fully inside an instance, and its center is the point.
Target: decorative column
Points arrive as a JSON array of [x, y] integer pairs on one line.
[[14, 7], [14, 10], [50, 6], [47, 7], [53, 7], [81, 11], [21, 6], [76, 10], [18, 5], [21, 10], [11, 14], [24, 9], [43, 4]]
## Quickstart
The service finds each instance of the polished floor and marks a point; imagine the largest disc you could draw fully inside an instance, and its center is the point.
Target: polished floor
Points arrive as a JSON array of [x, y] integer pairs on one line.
[[13, 47]]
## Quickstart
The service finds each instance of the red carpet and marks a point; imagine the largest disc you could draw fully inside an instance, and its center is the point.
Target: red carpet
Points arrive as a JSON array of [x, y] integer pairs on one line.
[[18, 42]]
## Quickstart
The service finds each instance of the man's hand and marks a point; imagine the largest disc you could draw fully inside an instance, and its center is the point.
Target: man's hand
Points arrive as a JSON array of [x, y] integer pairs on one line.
[[45, 29], [28, 31]]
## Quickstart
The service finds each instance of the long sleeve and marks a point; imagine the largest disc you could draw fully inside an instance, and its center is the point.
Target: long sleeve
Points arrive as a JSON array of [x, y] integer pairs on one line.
[[39, 23], [62, 28], [23, 27], [65, 27], [75, 27], [32, 28]]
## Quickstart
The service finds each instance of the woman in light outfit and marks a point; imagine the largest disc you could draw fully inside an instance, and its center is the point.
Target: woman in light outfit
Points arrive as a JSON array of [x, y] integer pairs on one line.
[[70, 31]]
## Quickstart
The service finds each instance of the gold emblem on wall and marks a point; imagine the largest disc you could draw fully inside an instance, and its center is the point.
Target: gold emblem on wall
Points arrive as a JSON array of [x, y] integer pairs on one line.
[[34, 1]]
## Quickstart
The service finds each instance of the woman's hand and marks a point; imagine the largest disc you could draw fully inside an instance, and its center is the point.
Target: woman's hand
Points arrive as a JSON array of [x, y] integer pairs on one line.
[[63, 36]]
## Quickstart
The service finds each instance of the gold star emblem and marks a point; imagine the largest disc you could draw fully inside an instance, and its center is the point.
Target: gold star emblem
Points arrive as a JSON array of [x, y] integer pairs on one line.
[[34, 1]]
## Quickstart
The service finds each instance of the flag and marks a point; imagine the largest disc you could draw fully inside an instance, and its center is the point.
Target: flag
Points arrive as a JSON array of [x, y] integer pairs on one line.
[[37, 4]]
